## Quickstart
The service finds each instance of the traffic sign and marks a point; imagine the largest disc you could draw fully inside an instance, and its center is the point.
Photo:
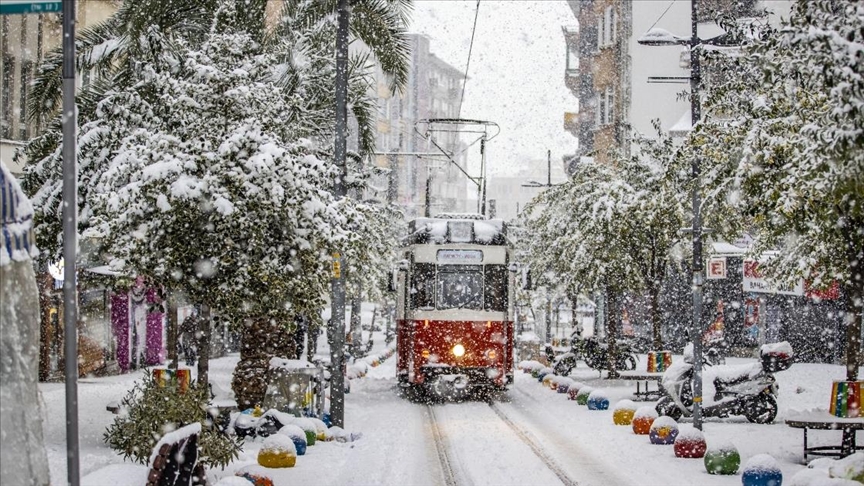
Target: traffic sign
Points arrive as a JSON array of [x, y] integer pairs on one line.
[[8, 7]]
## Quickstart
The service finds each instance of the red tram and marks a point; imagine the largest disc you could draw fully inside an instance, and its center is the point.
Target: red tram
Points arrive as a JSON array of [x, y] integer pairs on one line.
[[454, 319]]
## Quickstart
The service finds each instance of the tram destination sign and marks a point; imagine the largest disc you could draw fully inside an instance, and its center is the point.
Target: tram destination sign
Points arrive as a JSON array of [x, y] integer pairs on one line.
[[459, 256], [9, 7]]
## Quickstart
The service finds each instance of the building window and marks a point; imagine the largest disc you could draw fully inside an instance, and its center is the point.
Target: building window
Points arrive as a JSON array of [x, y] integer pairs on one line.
[[572, 58], [601, 30], [610, 105], [604, 112]]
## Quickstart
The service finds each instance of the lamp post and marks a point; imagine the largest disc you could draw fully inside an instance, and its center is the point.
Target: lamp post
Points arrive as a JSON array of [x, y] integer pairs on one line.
[[659, 37]]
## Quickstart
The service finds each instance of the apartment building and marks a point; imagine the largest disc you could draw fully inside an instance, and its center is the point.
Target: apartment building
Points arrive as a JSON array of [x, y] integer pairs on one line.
[[617, 80], [26, 38], [433, 91]]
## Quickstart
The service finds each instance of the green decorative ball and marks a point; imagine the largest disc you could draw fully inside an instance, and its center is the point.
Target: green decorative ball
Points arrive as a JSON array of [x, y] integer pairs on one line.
[[722, 460]]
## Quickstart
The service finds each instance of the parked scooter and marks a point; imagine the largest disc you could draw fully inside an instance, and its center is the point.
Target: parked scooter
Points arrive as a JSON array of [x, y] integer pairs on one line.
[[751, 392], [595, 355]]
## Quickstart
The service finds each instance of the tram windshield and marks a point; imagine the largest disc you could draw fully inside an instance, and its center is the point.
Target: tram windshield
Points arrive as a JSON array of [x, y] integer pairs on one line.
[[460, 288]]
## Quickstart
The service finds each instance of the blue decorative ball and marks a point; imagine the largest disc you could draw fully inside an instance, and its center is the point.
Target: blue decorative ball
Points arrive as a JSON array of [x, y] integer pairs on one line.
[[762, 470]]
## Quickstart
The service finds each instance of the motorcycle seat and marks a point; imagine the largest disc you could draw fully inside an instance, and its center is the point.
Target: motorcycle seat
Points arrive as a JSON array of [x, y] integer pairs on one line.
[[733, 377]]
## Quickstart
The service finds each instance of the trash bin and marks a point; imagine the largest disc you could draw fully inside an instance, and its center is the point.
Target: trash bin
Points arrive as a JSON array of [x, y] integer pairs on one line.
[[293, 387]]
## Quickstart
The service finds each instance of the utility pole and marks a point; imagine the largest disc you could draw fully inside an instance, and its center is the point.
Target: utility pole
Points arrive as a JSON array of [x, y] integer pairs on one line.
[[70, 244], [698, 270], [337, 310], [695, 170], [548, 174]]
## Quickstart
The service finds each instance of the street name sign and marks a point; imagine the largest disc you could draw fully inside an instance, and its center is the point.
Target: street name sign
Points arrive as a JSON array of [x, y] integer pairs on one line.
[[9, 7]]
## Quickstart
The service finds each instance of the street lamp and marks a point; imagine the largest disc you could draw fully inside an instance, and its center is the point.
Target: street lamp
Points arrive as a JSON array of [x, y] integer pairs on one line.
[[660, 37]]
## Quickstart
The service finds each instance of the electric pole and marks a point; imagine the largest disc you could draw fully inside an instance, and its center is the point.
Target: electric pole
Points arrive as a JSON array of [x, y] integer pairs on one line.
[[337, 310]]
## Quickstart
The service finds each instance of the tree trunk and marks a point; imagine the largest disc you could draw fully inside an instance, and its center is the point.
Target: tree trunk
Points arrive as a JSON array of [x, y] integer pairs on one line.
[[261, 340], [854, 303], [613, 316], [656, 318], [46, 285], [173, 358], [355, 328], [204, 335]]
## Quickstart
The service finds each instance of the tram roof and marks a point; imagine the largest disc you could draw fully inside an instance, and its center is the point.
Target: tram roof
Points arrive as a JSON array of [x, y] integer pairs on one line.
[[459, 229]]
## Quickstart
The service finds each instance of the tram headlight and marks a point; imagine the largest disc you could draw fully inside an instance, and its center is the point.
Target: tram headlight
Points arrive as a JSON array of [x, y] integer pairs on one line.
[[491, 355], [458, 350]]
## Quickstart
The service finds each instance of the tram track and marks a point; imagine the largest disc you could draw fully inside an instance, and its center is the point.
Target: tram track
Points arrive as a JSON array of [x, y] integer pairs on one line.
[[441, 448], [535, 448]]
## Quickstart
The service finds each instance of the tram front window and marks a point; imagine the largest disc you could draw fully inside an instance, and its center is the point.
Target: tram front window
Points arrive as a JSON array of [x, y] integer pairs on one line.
[[460, 288]]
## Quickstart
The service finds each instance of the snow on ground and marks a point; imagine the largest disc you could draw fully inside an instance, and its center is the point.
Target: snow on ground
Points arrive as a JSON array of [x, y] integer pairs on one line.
[[398, 447]]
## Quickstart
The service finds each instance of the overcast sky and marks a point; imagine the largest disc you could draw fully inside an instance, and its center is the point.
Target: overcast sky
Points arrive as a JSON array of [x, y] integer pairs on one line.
[[516, 75]]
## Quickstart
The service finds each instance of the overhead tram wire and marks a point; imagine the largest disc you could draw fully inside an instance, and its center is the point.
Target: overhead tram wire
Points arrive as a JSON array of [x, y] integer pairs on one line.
[[468, 64], [662, 15]]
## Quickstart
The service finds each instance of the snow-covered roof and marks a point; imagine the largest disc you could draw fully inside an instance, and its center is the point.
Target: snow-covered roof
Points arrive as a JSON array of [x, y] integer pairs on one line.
[[722, 248], [455, 230]]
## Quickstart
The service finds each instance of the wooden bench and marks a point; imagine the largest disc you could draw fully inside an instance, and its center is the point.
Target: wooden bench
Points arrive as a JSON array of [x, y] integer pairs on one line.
[[643, 379], [822, 420]]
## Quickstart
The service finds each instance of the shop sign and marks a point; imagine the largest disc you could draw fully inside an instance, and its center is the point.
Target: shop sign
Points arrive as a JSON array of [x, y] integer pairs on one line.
[[716, 268], [753, 282]]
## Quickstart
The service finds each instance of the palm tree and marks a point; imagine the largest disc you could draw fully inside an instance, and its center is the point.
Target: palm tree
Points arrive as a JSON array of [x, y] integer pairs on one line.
[[112, 48], [303, 39]]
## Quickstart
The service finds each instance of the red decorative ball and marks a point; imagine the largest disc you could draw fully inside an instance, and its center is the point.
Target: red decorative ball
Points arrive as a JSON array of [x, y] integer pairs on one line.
[[690, 444]]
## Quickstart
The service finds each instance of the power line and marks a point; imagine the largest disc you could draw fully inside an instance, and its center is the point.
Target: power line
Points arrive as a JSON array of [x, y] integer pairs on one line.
[[467, 64], [662, 15]]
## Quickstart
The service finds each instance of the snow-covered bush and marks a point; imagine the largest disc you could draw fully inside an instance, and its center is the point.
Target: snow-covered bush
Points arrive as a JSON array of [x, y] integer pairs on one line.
[[149, 411]]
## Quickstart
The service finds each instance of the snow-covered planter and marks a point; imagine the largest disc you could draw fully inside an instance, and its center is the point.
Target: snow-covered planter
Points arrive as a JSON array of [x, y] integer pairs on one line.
[[643, 419], [762, 470], [598, 400], [722, 458], [278, 451], [690, 443], [623, 411], [663, 431]]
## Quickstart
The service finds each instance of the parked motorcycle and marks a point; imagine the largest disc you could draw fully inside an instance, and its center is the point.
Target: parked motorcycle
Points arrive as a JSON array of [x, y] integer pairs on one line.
[[748, 391], [595, 355]]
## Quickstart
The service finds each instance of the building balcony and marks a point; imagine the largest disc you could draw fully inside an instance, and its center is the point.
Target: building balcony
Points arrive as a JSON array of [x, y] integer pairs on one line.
[[571, 123]]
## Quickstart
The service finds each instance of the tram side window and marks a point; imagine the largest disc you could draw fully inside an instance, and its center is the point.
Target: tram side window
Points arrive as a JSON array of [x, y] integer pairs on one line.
[[495, 298], [423, 286], [460, 287]]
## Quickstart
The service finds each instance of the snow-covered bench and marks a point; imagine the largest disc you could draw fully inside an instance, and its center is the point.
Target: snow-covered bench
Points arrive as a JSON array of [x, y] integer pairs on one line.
[[822, 420]]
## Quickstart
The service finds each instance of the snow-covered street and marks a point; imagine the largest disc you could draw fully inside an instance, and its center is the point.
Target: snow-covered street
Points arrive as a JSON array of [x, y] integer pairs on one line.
[[529, 435]]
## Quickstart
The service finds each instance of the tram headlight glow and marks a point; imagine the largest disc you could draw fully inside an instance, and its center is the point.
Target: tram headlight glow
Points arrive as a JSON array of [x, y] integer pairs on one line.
[[458, 350]]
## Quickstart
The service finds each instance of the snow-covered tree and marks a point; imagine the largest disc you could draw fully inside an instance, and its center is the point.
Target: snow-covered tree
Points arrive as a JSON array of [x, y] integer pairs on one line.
[[786, 137], [206, 167], [583, 231]]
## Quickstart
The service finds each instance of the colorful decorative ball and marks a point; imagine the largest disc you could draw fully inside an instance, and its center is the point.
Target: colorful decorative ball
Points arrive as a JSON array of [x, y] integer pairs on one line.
[[622, 413], [663, 431], [297, 435], [582, 395], [762, 470], [547, 380], [320, 427], [722, 459], [253, 478], [642, 420], [598, 400], [309, 428], [278, 451], [690, 443], [564, 384]]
